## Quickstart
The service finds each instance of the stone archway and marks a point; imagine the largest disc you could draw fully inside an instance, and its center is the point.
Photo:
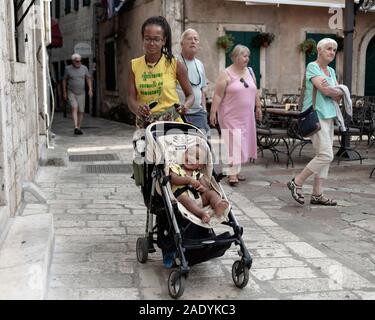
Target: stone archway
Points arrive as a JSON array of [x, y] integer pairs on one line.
[[361, 66]]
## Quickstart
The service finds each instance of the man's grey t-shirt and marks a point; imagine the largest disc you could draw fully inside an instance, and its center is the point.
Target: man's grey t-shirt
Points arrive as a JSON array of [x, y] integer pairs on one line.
[[193, 66], [76, 78]]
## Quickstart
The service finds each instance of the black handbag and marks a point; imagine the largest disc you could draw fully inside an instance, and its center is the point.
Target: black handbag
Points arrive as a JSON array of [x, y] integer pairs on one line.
[[308, 120]]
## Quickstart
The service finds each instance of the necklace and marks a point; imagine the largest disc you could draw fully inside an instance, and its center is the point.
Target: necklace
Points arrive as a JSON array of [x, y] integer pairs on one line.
[[152, 65], [196, 68]]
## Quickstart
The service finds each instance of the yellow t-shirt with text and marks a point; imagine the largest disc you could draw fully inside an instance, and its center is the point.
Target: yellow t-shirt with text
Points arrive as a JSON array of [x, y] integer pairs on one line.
[[157, 83]]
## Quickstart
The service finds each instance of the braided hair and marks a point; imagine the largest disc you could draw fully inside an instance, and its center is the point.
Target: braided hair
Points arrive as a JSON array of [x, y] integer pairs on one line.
[[163, 23]]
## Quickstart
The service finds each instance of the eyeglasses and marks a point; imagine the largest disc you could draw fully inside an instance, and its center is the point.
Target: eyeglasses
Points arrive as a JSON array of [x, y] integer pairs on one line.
[[244, 83], [191, 39], [154, 40], [77, 60]]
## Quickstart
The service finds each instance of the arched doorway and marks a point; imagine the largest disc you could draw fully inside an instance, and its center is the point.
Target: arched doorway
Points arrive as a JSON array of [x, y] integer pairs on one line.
[[370, 69]]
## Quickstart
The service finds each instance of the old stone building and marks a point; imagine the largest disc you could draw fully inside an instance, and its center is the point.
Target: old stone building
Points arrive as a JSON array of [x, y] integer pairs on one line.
[[24, 33], [280, 66]]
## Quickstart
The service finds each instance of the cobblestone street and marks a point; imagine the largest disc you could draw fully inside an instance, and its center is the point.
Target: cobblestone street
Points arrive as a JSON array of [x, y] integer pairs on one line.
[[299, 252]]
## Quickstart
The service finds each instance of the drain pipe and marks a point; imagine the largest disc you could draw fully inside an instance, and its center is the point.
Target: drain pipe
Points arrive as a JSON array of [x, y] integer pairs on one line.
[[45, 40]]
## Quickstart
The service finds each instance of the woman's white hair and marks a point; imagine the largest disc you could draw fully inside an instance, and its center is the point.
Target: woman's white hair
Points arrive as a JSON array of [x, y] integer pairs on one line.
[[325, 42], [237, 50], [76, 56]]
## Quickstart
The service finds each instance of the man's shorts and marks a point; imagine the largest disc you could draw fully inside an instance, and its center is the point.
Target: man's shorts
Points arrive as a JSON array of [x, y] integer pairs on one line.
[[199, 119], [77, 101]]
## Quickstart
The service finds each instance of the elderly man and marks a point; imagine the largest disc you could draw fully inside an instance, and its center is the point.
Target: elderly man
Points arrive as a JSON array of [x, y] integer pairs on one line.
[[74, 89], [197, 113]]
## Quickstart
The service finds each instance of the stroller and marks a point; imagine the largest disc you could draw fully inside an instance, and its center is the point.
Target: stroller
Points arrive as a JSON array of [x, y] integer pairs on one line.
[[176, 229]]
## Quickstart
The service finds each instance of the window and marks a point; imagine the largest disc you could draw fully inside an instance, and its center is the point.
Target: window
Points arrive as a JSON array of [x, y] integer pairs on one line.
[[110, 65], [76, 5], [57, 9], [20, 38], [86, 3], [68, 7]]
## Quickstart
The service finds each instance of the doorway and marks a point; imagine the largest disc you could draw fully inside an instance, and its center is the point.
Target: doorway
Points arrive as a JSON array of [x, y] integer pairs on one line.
[[370, 69]]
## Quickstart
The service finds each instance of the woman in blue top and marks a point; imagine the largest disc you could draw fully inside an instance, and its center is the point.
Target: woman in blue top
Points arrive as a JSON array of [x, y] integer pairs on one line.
[[323, 78]]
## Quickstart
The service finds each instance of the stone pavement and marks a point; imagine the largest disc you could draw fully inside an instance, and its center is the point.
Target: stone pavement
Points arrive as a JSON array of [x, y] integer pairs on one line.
[[300, 252]]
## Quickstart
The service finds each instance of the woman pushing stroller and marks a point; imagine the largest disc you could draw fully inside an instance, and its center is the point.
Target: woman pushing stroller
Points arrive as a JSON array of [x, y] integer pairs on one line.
[[189, 176]]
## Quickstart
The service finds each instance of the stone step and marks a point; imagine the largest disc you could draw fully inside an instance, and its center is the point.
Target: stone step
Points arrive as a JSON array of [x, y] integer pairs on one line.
[[25, 258]]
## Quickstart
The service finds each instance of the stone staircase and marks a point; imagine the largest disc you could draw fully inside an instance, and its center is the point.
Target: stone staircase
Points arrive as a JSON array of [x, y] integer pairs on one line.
[[25, 256]]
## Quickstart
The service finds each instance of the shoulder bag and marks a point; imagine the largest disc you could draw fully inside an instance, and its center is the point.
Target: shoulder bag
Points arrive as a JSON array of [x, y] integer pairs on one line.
[[308, 120]]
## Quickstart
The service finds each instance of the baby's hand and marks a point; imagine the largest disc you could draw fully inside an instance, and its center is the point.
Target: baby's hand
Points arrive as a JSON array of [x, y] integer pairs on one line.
[[201, 188], [195, 184]]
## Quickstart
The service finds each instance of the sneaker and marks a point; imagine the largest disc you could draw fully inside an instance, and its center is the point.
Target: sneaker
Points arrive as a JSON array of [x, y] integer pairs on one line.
[[169, 259], [78, 131]]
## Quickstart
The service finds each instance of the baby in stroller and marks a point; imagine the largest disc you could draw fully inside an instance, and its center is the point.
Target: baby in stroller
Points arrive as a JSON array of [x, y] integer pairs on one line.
[[188, 176]]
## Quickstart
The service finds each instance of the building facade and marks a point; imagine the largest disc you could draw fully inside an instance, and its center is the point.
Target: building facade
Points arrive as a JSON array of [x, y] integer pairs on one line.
[[279, 67], [77, 23], [23, 99]]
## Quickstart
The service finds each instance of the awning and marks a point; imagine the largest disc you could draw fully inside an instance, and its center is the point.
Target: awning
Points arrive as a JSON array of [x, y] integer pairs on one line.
[[309, 3], [57, 39]]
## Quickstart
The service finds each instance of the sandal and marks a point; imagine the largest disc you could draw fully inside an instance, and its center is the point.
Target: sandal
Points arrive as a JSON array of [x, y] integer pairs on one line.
[[241, 177], [323, 200], [296, 192], [232, 182]]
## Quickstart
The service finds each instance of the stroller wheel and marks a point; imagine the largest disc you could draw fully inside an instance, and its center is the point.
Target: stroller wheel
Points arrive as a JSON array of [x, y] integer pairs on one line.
[[142, 249], [176, 284], [240, 274]]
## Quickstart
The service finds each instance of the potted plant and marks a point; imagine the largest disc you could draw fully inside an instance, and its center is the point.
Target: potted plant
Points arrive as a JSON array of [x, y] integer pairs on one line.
[[263, 39], [308, 46], [225, 42]]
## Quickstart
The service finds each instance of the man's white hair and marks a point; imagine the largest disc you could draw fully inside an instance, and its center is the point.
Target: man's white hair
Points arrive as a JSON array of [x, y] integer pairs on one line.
[[186, 32], [325, 42], [76, 56]]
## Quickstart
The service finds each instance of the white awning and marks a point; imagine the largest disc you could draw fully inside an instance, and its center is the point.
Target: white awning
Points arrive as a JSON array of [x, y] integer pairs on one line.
[[311, 3]]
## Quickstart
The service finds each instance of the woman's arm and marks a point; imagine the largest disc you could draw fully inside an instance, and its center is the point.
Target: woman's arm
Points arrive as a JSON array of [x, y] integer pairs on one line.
[[220, 87], [133, 105], [182, 77], [322, 85]]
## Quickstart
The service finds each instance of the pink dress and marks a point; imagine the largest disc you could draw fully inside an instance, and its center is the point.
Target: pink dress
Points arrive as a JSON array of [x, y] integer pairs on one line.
[[236, 118]]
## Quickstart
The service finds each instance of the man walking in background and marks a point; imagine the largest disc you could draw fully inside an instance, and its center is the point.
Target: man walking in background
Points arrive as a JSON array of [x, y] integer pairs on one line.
[[74, 89], [197, 114]]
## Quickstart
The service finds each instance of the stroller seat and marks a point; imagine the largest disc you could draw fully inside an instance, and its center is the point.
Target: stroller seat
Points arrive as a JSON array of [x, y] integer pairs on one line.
[[172, 148]]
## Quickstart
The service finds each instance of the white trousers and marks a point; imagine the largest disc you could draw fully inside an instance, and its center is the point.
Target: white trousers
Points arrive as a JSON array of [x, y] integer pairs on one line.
[[323, 145]]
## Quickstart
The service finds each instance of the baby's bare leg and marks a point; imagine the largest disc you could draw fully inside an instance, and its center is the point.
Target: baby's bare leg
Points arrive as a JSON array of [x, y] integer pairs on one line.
[[192, 206], [214, 199]]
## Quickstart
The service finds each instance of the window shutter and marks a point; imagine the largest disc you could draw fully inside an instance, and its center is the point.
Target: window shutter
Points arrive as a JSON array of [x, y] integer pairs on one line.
[[68, 6], [76, 5], [86, 3]]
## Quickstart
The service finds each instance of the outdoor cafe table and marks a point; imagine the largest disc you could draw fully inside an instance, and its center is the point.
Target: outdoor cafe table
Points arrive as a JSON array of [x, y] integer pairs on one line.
[[292, 128]]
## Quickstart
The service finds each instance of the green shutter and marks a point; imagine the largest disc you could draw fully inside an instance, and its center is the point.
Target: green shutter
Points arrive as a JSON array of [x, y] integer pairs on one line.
[[370, 69], [245, 38], [68, 6], [317, 37], [86, 3], [57, 9], [76, 5]]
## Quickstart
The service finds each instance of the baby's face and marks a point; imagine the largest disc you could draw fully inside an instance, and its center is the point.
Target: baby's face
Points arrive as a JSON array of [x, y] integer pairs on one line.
[[192, 160]]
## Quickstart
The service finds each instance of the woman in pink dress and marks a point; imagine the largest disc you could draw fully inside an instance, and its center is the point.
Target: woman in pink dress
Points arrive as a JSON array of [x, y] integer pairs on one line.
[[233, 105]]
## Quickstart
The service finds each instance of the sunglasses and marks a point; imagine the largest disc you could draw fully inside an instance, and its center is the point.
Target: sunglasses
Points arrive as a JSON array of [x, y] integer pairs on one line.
[[244, 83]]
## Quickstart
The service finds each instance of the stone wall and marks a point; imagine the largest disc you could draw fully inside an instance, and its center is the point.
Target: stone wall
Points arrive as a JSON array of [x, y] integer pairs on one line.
[[21, 100]]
